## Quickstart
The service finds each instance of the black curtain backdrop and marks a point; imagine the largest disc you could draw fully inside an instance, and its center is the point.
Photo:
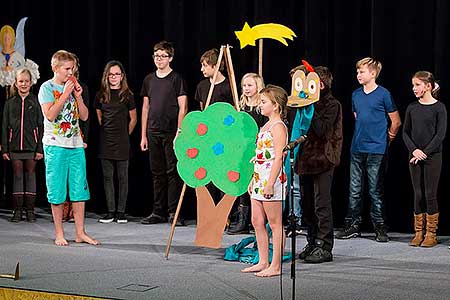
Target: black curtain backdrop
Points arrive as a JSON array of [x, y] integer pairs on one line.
[[406, 36]]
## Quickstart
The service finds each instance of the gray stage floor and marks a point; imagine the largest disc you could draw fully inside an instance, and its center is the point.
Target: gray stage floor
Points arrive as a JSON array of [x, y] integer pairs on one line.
[[130, 264]]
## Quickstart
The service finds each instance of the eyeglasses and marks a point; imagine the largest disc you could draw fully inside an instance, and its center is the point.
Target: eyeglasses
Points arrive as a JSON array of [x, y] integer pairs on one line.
[[114, 74], [155, 56]]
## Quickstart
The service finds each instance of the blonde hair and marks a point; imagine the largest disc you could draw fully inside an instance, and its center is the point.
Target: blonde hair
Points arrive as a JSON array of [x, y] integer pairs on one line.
[[76, 66], [13, 89], [7, 29], [278, 96], [372, 65], [61, 56], [243, 101]]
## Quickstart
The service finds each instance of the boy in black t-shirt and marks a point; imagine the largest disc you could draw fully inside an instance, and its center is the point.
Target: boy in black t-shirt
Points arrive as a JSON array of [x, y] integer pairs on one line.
[[222, 91], [164, 107]]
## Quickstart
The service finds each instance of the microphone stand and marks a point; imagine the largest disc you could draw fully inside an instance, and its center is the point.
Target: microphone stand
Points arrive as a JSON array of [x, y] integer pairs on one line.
[[292, 220]]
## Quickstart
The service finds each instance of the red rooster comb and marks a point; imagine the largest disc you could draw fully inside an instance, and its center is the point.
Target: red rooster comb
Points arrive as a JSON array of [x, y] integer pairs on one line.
[[307, 66]]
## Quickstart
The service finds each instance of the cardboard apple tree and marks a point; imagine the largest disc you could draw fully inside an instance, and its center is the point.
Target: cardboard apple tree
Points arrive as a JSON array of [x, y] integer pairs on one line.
[[216, 146]]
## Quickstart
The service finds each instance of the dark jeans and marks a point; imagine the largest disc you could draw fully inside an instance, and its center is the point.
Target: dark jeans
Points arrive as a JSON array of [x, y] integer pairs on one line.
[[166, 182], [360, 165], [316, 207], [108, 166], [425, 180]]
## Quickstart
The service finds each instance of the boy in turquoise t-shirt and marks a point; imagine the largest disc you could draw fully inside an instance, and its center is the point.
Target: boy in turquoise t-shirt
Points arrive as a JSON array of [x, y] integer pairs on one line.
[[65, 162]]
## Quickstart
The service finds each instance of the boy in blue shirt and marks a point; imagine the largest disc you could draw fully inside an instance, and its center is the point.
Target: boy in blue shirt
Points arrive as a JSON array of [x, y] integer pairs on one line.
[[372, 105]]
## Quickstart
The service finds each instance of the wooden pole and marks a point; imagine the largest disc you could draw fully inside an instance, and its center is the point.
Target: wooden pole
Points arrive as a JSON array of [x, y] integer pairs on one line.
[[260, 58], [175, 218], [180, 200], [234, 92], [232, 77], [216, 71]]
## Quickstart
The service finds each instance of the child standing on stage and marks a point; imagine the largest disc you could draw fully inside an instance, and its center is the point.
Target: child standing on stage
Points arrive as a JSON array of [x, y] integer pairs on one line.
[[222, 91], [251, 84], [267, 189], [84, 127], [116, 113], [62, 105], [163, 110], [423, 134], [22, 143], [372, 105]]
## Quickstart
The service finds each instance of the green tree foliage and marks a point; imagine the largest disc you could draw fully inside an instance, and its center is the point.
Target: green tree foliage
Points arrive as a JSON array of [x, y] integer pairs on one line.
[[217, 145]]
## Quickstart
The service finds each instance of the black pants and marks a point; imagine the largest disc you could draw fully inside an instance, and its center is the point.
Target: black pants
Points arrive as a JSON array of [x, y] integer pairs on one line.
[[215, 192], [425, 179], [244, 199], [108, 166], [166, 182], [316, 206]]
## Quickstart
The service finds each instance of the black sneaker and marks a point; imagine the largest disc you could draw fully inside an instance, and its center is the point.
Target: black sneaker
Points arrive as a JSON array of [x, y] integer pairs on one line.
[[180, 220], [238, 228], [349, 232], [251, 229], [306, 251], [108, 218], [318, 256], [152, 219], [121, 219], [381, 233]]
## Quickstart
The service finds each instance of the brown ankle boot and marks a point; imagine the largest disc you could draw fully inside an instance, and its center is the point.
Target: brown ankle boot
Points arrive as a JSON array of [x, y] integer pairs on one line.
[[31, 217], [17, 206], [30, 199], [17, 216], [419, 227], [430, 237]]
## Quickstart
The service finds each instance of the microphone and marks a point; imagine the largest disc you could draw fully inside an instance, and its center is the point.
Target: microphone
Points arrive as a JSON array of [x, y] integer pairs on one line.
[[294, 143]]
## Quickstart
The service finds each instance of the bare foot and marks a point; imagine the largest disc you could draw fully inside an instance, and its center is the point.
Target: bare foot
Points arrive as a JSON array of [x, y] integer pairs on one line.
[[269, 272], [255, 268], [61, 241], [84, 238]]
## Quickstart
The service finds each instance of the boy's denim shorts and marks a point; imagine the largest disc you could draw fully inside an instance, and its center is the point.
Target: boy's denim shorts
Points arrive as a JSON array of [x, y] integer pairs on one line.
[[65, 170]]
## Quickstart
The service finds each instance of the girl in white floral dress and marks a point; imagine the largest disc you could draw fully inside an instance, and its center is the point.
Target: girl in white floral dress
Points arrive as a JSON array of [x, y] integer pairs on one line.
[[267, 189]]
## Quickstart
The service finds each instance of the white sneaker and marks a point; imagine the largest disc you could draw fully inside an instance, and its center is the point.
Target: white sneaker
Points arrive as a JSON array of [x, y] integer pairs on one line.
[[108, 218], [121, 219]]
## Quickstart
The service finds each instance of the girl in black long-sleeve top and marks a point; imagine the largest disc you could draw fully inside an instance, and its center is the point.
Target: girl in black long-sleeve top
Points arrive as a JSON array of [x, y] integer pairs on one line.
[[22, 129], [423, 133]]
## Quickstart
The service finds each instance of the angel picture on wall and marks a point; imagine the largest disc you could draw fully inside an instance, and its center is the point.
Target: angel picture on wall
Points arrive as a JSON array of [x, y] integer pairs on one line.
[[12, 58]]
